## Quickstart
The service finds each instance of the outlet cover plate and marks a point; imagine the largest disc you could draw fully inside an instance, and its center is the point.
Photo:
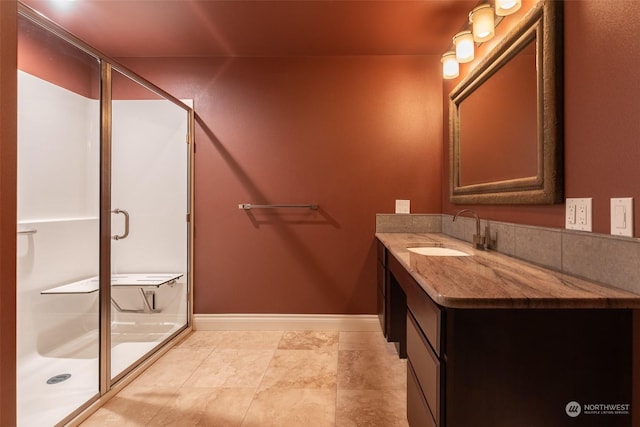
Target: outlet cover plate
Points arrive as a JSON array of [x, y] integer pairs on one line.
[[403, 206], [622, 216], [579, 214]]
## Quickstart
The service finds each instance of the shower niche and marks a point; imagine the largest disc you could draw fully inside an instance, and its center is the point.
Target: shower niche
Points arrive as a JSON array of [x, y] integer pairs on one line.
[[104, 202]]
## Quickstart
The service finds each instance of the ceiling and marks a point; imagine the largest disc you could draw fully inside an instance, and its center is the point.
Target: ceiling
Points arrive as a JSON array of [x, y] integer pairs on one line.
[[184, 28]]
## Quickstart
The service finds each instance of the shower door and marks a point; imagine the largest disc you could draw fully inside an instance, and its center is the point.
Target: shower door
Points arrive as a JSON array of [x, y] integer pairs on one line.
[[149, 221]]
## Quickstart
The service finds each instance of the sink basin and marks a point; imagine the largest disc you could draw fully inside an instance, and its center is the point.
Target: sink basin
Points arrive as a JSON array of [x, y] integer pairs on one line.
[[437, 251]]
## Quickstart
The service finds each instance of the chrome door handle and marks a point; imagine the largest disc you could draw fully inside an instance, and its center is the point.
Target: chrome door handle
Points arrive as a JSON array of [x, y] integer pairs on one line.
[[126, 224]]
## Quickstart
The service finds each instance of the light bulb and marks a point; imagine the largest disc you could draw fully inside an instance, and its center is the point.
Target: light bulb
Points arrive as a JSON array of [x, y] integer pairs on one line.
[[463, 41], [507, 7], [483, 23], [450, 67]]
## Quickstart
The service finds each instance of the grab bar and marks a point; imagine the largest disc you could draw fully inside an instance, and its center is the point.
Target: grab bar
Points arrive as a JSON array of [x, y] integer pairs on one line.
[[27, 231], [126, 224], [249, 206]]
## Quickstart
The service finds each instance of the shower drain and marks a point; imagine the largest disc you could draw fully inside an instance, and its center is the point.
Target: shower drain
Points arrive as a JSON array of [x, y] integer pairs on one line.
[[58, 378]]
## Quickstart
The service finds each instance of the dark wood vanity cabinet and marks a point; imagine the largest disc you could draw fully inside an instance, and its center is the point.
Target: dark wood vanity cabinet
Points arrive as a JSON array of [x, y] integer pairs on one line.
[[425, 356], [512, 367], [391, 299]]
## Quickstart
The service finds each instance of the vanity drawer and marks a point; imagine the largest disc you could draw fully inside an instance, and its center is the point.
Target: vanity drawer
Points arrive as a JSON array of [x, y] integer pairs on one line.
[[418, 413], [426, 366], [427, 315]]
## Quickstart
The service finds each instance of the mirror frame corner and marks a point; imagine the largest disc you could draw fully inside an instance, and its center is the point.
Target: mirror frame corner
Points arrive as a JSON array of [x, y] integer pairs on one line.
[[544, 24]]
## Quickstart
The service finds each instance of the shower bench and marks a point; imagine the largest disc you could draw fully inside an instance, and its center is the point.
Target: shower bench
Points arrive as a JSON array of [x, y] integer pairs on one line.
[[147, 284]]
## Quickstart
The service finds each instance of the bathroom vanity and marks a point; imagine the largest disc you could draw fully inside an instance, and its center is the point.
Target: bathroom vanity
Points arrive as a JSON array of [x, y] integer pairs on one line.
[[494, 341]]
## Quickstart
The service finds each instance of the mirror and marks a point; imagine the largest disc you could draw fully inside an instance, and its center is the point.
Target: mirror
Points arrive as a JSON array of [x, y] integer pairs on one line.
[[505, 118]]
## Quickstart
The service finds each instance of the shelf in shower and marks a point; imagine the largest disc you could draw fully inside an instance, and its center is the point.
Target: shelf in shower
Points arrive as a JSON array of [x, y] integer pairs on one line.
[[85, 286], [138, 280]]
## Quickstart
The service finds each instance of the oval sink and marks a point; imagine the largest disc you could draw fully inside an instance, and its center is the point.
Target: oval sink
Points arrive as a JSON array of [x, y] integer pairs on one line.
[[437, 251]]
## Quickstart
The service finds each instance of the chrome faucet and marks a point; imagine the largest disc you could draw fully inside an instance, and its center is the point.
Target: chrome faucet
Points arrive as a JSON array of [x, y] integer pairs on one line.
[[478, 239]]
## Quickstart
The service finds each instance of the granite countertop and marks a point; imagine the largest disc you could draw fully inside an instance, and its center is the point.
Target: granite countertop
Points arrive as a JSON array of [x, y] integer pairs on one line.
[[488, 279]]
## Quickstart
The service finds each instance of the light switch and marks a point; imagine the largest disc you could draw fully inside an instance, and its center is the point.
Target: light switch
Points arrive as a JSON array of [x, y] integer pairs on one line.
[[403, 206], [622, 216], [578, 214]]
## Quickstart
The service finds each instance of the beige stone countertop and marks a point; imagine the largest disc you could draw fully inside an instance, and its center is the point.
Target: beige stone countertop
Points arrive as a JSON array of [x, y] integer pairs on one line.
[[488, 279]]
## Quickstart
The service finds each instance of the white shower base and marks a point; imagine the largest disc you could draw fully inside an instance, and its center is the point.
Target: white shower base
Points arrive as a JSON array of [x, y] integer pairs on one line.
[[41, 404]]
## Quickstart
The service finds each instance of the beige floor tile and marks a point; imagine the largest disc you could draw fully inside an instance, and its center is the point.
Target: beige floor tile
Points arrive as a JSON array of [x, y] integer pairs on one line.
[[309, 340], [371, 408], [249, 340], [362, 341], [294, 378], [220, 407], [360, 370], [201, 339], [172, 369], [311, 369], [292, 408], [131, 407], [231, 368]]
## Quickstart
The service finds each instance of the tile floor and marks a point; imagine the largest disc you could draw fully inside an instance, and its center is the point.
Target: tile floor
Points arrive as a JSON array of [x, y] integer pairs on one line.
[[260, 379]]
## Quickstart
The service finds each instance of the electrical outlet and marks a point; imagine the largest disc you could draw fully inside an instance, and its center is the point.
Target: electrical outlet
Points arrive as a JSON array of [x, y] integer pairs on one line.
[[571, 214], [582, 215], [578, 214]]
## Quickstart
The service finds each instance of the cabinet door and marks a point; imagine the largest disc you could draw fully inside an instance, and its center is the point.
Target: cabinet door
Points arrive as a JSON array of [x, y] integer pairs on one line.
[[382, 253], [382, 288], [521, 367], [396, 315], [428, 316], [418, 413], [426, 366]]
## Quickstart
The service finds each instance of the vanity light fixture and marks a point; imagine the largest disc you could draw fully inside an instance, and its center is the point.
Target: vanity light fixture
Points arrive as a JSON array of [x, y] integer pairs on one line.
[[62, 4], [450, 67], [507, 7], [483, 23], [463, 41]]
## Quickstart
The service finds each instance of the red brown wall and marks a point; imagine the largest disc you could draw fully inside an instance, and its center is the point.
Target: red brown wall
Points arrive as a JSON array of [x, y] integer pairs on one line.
[[8, 173], [349, 133], [602, 116], [602, 100]]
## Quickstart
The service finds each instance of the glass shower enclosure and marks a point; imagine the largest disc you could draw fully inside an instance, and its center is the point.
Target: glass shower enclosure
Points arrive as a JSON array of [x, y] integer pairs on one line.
[[104, 222], [149, 205]]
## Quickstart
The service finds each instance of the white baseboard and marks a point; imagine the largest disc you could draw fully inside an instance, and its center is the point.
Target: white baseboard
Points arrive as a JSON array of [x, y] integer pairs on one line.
[[286, 322]]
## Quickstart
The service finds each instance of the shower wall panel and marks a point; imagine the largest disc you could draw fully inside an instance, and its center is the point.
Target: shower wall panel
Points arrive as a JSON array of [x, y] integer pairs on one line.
[[58, 198], [57, 244], [58, 151]]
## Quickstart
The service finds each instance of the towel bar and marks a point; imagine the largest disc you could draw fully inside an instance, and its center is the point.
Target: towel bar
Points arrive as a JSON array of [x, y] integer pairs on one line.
[[249, 206]]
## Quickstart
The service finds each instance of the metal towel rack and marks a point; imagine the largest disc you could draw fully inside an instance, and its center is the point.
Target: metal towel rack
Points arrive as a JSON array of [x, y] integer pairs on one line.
[[249, 206]]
